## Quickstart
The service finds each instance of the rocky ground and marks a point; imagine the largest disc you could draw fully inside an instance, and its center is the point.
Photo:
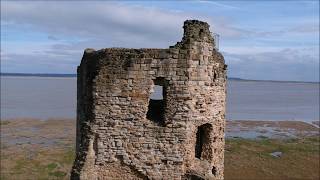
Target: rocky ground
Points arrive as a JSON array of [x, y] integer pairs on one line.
[[36, 149]]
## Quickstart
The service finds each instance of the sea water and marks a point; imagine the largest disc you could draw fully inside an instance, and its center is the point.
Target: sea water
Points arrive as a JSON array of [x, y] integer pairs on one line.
[[51, 97]]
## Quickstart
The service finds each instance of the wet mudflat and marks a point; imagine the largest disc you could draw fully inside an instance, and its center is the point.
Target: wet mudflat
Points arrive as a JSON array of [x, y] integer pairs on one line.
[[36, 149], [271, 129]]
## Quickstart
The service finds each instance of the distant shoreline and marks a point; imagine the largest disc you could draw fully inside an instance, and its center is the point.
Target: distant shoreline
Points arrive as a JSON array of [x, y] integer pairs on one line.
[[37, 75], [75, 75], [273, 81]]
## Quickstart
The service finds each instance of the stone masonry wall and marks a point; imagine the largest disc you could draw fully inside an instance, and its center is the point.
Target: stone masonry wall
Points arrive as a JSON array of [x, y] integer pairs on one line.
[[116, 140]]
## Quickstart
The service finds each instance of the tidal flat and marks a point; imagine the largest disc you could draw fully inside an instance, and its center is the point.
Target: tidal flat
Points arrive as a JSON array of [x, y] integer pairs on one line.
[[44, 149]]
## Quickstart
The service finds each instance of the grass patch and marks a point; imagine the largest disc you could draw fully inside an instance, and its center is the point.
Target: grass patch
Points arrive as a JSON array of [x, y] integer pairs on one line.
[[20, 164], [4, 122], [47, 164], [68, 157], [58, 174], [251, 159], [51, 166]]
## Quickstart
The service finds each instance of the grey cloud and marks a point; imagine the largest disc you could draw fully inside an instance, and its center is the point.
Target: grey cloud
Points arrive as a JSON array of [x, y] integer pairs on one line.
[[110, 21], [306, 28], [109, 24], [116, 22]]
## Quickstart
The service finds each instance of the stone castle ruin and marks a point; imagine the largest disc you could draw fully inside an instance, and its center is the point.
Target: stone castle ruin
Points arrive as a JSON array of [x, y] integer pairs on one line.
[[125, 133]]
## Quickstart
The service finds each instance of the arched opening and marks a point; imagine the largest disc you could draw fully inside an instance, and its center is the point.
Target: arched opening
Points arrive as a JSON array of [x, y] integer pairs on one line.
[[192, 177], [157, 101], [203, 146]]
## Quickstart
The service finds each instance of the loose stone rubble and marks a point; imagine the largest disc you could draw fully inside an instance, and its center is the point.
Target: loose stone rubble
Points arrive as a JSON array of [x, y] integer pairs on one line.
[[123, 134]]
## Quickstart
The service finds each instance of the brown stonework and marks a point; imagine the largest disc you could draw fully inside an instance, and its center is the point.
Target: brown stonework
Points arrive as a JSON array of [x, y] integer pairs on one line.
[[123, 134]]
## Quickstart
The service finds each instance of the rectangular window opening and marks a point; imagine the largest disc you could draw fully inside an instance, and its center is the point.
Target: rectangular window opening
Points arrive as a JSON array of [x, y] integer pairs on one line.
[[157, 102]]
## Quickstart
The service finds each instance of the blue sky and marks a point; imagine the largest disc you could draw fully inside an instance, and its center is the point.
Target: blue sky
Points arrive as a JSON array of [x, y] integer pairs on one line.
[[277, 40]]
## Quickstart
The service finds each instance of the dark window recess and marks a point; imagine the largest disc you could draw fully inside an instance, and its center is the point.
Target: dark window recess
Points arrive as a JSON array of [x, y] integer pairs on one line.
[[199, 143], [95, 146], [203, 142], [201, 33], [214, 170], [157, 102]]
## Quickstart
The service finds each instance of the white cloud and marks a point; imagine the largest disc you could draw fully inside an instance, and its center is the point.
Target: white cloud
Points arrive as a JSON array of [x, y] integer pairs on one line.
[[110, 24], [110, 21], [222, 5], [95, 25]]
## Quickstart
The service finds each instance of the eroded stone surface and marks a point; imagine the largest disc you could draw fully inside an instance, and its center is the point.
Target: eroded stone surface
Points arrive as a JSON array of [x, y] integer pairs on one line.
[[116, 140]]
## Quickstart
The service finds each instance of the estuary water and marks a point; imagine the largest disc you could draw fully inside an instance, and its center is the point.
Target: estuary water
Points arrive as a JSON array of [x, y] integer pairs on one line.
[[50, 97]]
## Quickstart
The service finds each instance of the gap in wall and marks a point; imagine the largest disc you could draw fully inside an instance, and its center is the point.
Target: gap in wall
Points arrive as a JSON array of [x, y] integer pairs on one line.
[[157, 102]]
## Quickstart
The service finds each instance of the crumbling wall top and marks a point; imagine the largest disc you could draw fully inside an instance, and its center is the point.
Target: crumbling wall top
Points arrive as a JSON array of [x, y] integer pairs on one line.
[[195, 30]]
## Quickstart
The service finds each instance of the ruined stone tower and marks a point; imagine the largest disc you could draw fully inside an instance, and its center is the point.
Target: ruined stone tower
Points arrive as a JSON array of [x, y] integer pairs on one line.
[[122, 133]]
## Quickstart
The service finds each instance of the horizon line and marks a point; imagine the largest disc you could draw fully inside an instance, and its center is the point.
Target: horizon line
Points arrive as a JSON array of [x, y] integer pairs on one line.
[[75, 75]]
